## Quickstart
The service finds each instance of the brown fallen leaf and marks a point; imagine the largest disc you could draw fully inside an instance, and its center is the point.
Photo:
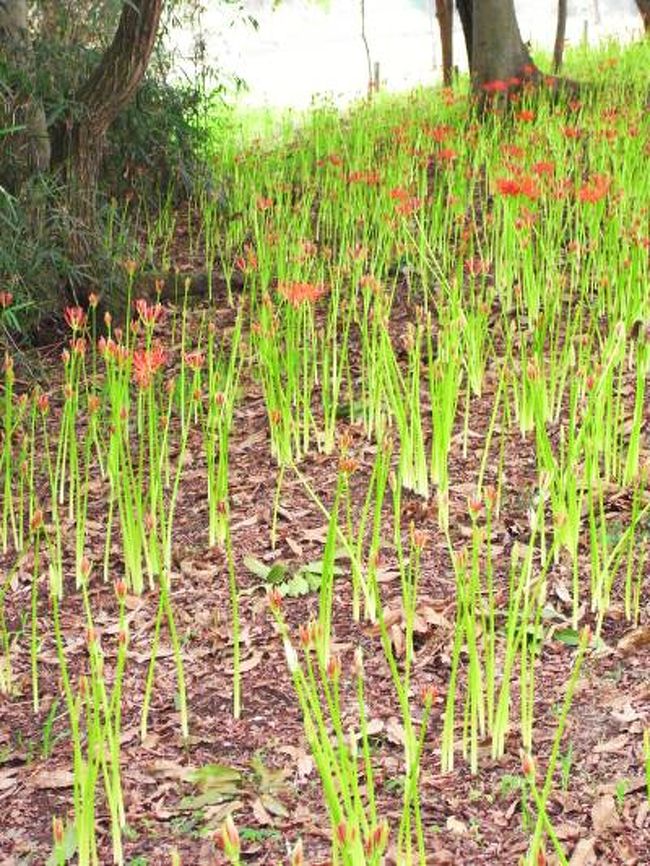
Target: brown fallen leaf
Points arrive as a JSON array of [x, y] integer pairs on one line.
[[642, 814], [615, 744], [634, 640], [442, 857], [8, 777], [261, 815], [583, 853], [455, 826], [604, 815], [248, 664], [52, 779]]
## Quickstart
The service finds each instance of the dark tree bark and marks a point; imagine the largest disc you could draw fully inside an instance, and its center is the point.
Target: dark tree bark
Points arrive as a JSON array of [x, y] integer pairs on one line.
[[644, 9], [445, 16], [464, 8], [498, 51], [558, 49], [499, 60], [78, 142], [27, 149]]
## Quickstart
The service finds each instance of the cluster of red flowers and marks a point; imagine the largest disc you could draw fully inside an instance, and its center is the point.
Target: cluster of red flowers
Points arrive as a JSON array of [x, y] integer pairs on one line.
[[595, 189], [146, 363], [150, 314], [75, 318], [518, 186], [6, 299], [330, 159], [248, 261], [439, 133], [298, 293], [116, 352], [370, 178]]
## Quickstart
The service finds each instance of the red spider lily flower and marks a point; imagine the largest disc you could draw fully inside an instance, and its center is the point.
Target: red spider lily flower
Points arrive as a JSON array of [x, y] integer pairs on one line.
[[595, 190], [247, 261], [508, 186], [194, 360], [6, 299], [228, 839], [447, 154], [110, 350], [543, 168], [398, 193], [78, 346], [408, 206], [146, 363], [530, 188], [439, 133], [297, 855], [370, 178], [528, 70], [263, 203], [43, 403], [496, 86], [514, 81], [525, 219], [525, 115], [572, 132], [368, 281], [93, 300], [298, 293], [513, 150], [149, 314], [75, 318], [57, 830], [477, 267]]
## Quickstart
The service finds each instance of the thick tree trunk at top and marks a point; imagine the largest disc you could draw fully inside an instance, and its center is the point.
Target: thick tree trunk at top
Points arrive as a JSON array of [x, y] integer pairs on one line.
[[445, 16], [644, 9], [28, 149], [78, 143], [465, 13], [498, 51], [558, 50]]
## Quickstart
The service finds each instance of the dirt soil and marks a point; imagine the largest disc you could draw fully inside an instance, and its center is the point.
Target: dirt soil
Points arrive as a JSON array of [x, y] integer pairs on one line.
[[599, 805]]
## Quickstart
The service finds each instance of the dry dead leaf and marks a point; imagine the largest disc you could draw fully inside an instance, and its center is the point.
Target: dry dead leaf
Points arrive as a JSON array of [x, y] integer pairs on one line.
[[456, 826], [52, 779], [163, 769], [261, 815], [442, 857], [583, 853], [248, 664], [303, 760], [642, 814], [295, 548], [604, 815], [395, 731], [634, 640], [615, 744], [626, 714], [7, 777]]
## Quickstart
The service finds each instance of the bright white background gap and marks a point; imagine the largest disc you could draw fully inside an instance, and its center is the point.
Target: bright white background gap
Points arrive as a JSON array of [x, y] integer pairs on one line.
[[304, 50]]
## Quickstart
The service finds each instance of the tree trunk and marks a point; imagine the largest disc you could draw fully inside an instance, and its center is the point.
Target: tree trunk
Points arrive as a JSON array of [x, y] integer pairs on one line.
[[445, 16], [464, 8], [27, 149], [644, 9], [78, 142], [558, 50], [498, 51]]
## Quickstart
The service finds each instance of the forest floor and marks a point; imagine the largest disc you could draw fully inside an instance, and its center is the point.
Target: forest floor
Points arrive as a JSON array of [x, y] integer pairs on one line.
[[598, 805]]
